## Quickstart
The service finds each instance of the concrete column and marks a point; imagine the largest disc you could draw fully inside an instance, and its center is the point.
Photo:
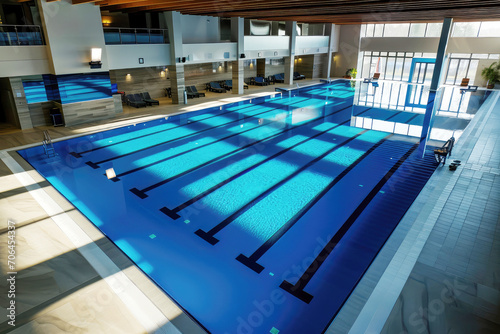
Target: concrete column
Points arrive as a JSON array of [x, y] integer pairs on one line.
[[436, 80], [238, 36], [291, 30], [177, 83], [173, 20], [238, 76], [274, 28], [21, 113], [330, 32], [261, 67]]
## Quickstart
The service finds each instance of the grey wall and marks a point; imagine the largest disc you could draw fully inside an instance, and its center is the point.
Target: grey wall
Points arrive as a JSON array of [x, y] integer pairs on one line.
[[348, 49], [200, 29], [71, 31]]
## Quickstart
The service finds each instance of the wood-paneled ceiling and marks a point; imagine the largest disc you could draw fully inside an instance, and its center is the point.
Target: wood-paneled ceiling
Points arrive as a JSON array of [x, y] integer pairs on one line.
[[334, 11]]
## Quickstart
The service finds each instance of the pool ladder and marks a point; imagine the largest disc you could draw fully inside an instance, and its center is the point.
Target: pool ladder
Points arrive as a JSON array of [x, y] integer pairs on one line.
[[47, 144]]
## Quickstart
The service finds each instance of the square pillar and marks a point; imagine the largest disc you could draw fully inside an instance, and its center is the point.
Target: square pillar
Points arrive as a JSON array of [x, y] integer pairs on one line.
[[177, 83], [238, 76]]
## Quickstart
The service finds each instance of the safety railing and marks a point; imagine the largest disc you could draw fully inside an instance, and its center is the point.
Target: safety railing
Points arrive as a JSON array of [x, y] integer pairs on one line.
[[14, 35], [135, 36]]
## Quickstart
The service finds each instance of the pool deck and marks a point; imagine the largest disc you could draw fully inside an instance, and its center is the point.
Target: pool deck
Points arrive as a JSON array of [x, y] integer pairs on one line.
[[71, 278], [438, 272]]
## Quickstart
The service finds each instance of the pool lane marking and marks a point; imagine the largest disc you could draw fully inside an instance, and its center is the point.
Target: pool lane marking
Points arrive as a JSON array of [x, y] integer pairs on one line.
[[209, 236], [95, 165], [117, 178], [251, 261], [172, 213], [297, 289], [78, 154], [142, 193]]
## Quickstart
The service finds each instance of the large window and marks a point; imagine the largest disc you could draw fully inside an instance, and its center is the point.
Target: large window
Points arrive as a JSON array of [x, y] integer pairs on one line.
[[391, 65], [476, 29], [401, 30]]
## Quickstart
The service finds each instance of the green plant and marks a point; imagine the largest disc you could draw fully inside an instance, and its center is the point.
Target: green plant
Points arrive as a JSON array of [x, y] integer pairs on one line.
[[351, 72], [491, 73]]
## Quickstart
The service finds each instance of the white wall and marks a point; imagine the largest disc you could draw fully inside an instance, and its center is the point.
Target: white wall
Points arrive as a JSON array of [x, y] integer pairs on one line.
[[23, 60], [408, 44], [261, 43], [430, 44], [474, 45], [208, 52], [127, 56], [199, 29], [71, 31], [311, 44]]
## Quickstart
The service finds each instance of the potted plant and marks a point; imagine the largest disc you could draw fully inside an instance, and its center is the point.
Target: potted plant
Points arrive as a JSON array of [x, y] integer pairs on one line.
[[491, 74], [351, 74]]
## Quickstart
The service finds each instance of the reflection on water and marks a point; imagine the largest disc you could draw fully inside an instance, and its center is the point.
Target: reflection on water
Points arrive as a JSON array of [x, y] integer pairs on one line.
[[399, 107]]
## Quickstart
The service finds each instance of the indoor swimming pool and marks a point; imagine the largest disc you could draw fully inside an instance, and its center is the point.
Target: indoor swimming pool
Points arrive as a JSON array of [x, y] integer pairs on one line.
[[258, 216]]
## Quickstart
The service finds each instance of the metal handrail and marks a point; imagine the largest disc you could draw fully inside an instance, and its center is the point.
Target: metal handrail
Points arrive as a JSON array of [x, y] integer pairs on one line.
[[20, 28], [135, 31]]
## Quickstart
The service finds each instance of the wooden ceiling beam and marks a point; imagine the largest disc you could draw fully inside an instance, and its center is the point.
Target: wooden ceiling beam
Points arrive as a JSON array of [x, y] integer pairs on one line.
[[79, 2]]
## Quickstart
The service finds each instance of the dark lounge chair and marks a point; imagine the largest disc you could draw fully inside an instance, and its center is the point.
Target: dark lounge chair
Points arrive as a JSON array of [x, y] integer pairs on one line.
[[195, 91], [260, 81], [441, 153], [215, 87], [279, 78], [135, 100], [298, 76], [190, 94], [228, 84], [147, 98]]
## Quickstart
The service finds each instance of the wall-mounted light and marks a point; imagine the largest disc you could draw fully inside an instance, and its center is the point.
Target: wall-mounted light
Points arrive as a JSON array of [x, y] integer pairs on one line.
[[259, 54], [162, 74], [95, 57], [275, 53], [128, 77], [106, 21]]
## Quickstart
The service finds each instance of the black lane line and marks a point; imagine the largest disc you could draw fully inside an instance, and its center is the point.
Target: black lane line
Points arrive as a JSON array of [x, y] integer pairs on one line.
[[79, 154], [297, 289], [142, 193], [251, 261], [172, 213], [95, 165], [117, 178], [209, 236], [394, 115]]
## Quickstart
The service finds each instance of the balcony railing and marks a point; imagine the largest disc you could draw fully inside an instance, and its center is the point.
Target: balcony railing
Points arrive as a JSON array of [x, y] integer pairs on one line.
[[13, 35], [135, 36]]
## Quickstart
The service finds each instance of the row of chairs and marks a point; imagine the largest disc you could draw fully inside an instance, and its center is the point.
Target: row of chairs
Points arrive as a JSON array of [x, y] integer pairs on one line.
[[140, 100]]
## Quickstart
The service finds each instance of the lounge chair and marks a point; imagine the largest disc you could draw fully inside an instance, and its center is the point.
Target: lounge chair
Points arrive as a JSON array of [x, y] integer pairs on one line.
[[228, 84], [376, 76], [279, 78], [195, 91], [190, 94], [440, 154], [147, 98], [135, 100], [260, 81], [215, 87], [465, 82], [298, 76]]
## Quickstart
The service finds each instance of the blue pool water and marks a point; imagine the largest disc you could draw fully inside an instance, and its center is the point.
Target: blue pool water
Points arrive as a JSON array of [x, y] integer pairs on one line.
[[251, 216]]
